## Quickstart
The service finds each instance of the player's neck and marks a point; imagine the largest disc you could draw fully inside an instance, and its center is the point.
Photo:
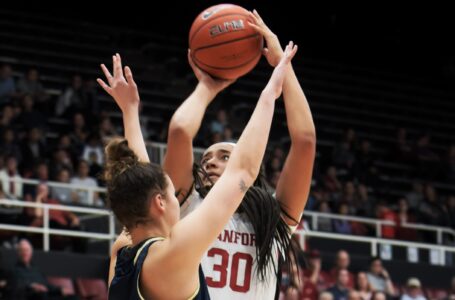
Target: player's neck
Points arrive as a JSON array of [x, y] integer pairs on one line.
[[141, 233]]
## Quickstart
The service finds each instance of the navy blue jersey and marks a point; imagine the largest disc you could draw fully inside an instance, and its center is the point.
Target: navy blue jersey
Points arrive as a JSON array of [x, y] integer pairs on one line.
[[125, 284]]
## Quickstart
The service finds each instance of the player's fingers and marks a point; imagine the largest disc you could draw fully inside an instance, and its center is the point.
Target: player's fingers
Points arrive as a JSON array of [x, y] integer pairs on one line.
[[104, 85]]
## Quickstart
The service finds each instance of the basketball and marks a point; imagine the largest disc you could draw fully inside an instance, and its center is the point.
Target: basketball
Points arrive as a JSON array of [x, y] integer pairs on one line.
[[222, 42]]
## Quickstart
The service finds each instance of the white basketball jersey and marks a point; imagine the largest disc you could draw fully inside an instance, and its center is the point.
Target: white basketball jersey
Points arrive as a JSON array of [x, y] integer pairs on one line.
[[230, 264]]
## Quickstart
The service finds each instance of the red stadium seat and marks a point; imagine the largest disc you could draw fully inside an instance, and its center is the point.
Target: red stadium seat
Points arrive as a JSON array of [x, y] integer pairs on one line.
[[91, 289], [63, 282]]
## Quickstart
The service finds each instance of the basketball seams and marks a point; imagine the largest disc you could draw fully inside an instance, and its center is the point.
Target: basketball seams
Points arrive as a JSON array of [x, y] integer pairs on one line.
[[198, 62]]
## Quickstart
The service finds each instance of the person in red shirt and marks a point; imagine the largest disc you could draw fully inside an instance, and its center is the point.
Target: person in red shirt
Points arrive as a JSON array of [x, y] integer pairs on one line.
[[315, 274], [385, 213]]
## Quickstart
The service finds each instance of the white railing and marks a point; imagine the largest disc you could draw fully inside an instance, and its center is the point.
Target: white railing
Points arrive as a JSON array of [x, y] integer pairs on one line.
[[91, 190], [46, 231], [439, 231], [376, 242]]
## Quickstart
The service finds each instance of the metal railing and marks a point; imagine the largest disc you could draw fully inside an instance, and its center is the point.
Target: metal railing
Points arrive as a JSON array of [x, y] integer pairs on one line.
[[46, 231], [375, 242], [377, 223]]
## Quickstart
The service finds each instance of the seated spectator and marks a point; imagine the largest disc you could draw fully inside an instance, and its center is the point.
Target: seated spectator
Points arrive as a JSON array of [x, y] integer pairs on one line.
[[30, 84], [339, 225], [379, 278], [363, 286], [58, 219], [40, 173], [314, 273], [415, 196], [72, 98], [62, 194], [10, 145], [30, 117], [405, 216], [342, 262], [300, 287], [82, 178], [8, 117], [106, 129], [33, 149], [365, 203], [324, 223], [12, 188], [341, 289], [413, 290], [383, 212], [330, 180], [93, 148], [61, 160], [431, 212], [79, 134], [29, 282]]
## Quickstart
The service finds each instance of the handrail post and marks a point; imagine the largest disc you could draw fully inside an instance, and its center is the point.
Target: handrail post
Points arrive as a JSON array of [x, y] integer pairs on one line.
[[111, 231], [439, 236], [314, 222], [46, 228]]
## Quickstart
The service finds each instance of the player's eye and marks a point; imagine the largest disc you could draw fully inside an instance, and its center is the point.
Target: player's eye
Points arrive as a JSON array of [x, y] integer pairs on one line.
[[225, 157]]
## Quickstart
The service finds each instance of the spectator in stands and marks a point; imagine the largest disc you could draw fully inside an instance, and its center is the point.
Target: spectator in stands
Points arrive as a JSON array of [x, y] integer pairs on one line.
[[72, 98], [314, 273], [8, 117], [30, 84], [405, 216], [9, 144], [324, 224], [431, 211], [30, 117], [273, 181], [340, 289], [342, 262], [93, 150], [343, 156], [340, 225], [413, 290], [58, 219], [66, 144], [33, 149], [106, 129], [7, 85], [415, 196], [379, 278], [220, 122], [383, 212], [63, 194], [12, 188], [61, 160], [40, 173], [365, 203], [330, 180], [29, 282], [363, 286], [79, 133], [378, 296], [82, 179], [300, 287]]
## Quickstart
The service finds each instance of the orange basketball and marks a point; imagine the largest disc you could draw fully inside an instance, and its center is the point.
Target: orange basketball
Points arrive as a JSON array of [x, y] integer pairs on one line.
[[223, 44]]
